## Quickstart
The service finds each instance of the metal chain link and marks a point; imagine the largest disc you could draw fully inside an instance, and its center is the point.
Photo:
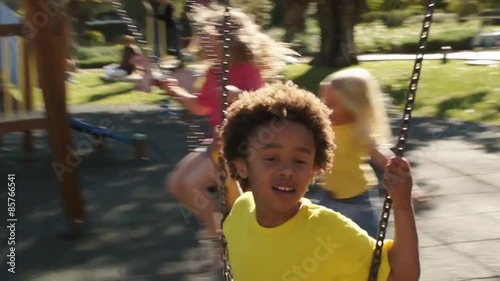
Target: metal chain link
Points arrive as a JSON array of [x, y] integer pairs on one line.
[[227, 272], [195, 135], [222, 74], [402, 137]]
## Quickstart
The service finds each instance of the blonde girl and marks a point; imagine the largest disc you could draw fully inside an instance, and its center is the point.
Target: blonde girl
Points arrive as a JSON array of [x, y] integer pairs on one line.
[[362, 131]]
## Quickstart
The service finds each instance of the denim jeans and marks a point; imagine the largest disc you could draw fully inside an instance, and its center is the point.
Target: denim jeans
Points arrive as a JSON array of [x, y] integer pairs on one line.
[[359, 209]]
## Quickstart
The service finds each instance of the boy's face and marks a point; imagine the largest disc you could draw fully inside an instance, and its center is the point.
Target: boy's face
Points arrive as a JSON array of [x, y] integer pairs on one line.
[[280, 166]]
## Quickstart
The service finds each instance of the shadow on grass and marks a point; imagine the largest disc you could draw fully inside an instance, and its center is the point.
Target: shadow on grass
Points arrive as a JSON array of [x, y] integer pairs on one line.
[[312, 77], [397, 91], [459, 103], [110, 94]]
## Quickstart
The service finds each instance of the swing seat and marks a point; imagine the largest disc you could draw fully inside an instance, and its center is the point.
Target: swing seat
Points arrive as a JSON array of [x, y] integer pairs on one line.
[[132, 78]]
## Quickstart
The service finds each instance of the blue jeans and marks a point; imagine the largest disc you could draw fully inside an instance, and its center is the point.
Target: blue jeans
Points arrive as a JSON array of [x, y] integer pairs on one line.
[[359, 209]]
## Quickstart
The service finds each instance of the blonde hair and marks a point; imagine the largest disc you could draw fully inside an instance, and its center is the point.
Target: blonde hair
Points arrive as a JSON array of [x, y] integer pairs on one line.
[[268, 55], [360, 93]]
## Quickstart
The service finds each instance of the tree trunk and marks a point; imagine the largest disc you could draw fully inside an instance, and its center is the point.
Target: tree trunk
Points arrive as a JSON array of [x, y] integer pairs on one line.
[[336, 20], [295, 18], [72, 8]]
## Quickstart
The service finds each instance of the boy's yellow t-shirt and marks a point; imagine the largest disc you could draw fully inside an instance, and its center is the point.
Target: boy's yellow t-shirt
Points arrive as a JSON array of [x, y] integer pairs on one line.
[[317, 244], [351, 175]]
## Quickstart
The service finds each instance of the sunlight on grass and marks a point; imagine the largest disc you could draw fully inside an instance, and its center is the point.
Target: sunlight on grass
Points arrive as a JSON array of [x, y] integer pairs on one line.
[[91, 89], [453, 90]]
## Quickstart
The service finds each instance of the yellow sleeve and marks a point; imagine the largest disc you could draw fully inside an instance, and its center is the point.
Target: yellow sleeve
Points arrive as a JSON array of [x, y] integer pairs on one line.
[[354, 253], [385, 267], [242, 205]]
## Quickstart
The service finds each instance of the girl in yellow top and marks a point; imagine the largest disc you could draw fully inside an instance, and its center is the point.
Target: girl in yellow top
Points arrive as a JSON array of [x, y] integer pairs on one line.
[[361, 128], [275, 140], [362, 133]]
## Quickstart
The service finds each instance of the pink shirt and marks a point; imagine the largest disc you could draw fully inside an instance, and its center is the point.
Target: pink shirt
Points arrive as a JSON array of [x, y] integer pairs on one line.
[[244, 76]]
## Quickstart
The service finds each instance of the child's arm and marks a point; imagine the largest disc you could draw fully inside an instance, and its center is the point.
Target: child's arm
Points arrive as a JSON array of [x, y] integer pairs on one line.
[[404, 254], [187, 100], [233, 93], [190, 102], [379, 156]]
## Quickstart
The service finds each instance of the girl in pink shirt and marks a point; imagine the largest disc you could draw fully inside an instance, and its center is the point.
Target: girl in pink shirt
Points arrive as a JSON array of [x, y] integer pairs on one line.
[[252, 56]]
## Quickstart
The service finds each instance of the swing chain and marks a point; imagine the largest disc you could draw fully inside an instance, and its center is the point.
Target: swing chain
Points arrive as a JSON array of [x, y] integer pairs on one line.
[[403, 134], [222, 73], [226, 271], [195, 134]]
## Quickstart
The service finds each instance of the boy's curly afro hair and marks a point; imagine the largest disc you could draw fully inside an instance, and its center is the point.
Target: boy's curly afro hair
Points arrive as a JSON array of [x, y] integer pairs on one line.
[[278, 101]]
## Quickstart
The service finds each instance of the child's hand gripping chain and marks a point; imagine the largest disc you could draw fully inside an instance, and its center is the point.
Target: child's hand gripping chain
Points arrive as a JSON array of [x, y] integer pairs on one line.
[[398, 181]]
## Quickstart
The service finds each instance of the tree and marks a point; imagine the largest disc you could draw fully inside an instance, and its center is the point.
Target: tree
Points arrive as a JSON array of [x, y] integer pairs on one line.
[[336, 19], [295, 17]]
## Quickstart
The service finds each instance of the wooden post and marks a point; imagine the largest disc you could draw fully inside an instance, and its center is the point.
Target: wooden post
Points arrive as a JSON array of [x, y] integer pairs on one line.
[[27, 95], [49, 43], [139, 146]]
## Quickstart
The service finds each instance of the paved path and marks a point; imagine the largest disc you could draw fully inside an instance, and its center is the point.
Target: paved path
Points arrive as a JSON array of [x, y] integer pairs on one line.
[[138, 232], [463, 55]]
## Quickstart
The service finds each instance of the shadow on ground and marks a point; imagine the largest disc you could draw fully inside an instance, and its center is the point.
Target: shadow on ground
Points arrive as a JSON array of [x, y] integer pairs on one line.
[[427, 129], [136, 228]]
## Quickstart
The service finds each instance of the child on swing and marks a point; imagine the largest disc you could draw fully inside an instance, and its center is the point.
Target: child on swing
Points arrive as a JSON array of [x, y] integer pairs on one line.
[[252, 55], [275, 140], [127, 65], [362, 132]]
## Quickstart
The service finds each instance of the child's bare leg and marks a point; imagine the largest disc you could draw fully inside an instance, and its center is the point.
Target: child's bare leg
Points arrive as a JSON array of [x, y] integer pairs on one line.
[[188, 184]]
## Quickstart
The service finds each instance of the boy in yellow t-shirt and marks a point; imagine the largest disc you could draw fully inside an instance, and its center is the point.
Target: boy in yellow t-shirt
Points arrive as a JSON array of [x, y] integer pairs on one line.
[[275, 140]]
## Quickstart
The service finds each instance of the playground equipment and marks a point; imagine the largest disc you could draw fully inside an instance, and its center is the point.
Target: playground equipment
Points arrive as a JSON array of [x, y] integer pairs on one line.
[[17, 113], [42, 58], [48, 42], [138, 141], [17, 65]]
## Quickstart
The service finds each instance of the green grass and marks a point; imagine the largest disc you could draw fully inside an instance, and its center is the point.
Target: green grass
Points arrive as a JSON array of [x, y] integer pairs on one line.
[[453, 90], [91, 89]]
